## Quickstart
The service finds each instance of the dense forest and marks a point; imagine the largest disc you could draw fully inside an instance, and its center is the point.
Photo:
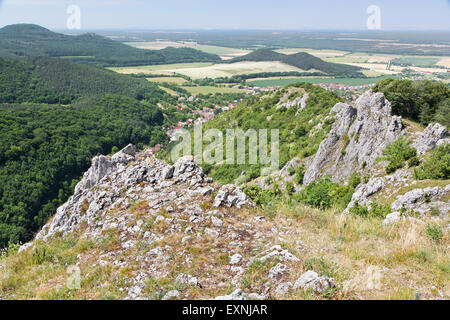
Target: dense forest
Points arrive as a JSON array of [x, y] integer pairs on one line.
[[422, 101], [55, 115], [45, 149], [49, 80], [24, 40], [302, 60]]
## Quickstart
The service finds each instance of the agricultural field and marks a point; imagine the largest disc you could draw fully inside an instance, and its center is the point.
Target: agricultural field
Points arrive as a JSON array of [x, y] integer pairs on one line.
[[210, 89], [229, 70], [161, 69], [175, 80], [284, 81], [424, 62], [224, 52]]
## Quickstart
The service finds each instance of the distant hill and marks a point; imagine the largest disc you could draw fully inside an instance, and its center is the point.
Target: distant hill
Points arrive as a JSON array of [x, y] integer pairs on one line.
[[50, 80], [25, 40], [301, 60]]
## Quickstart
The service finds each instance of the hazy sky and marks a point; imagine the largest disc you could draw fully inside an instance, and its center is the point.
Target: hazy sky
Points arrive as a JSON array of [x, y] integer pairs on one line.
[[229, 14]]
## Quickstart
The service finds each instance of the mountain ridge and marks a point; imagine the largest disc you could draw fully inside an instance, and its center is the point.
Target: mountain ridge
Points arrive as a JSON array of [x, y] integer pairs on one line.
[[33, 40]]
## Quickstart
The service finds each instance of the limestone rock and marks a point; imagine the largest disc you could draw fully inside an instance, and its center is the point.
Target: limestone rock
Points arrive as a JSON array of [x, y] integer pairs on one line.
[[364, 191], [235, 295], [432, 136], [230, 195], [423, 200], [311, 280], [356, 139]]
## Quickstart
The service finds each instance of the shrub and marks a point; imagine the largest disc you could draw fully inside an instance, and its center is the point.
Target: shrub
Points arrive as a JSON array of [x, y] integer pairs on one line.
[[434, 232], [316, 194], [376, 210], [397, 153], [290, 189], [437, 166], [300, 174], [259, 196], [413, 162]]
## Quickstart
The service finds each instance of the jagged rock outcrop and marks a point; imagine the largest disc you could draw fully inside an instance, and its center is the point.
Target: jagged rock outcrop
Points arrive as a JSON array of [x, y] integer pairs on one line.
[[356, 139], [434, 135], [364, 191], [299, 102], [230, 195], [424, 200], [109, 179]]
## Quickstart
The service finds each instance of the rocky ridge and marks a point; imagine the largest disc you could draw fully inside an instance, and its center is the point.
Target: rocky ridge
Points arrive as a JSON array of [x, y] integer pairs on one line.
[[164, 218]]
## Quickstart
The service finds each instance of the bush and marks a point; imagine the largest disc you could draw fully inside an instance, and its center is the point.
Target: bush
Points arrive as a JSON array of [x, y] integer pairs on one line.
[[316, 194], [434, 232], [261, 197], [397, 153], [376, 210], [300, 174], [413, 162], [437, 166]]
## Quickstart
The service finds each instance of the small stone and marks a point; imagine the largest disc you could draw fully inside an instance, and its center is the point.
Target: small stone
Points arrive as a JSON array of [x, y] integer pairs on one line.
[[235, 258], [216, 222], [173, 294]]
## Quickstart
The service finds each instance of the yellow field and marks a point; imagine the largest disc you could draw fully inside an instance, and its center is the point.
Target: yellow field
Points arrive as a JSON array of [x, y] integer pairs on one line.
[[228, 70], [160, 69], [175, 80], [209, 70], [223, 52]]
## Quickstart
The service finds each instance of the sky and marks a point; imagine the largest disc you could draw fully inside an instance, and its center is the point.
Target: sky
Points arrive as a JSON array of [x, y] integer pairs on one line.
[[229, 14]]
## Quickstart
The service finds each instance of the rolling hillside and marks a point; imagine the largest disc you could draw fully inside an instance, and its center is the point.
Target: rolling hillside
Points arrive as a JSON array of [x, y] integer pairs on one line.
[[301, 60], [23, 40]]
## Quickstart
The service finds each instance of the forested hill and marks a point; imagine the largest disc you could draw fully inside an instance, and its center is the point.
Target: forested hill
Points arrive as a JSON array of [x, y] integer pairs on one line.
[[55, 115], [49, 80], [301, 60], [23, 40]]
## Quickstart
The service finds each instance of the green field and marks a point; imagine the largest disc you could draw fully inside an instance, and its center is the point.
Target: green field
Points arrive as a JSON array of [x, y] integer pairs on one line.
[[424, 62], [209, 89], [287, 81]]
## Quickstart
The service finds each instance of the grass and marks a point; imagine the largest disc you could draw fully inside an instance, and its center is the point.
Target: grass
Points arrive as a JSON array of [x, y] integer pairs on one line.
[[367, 260]]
